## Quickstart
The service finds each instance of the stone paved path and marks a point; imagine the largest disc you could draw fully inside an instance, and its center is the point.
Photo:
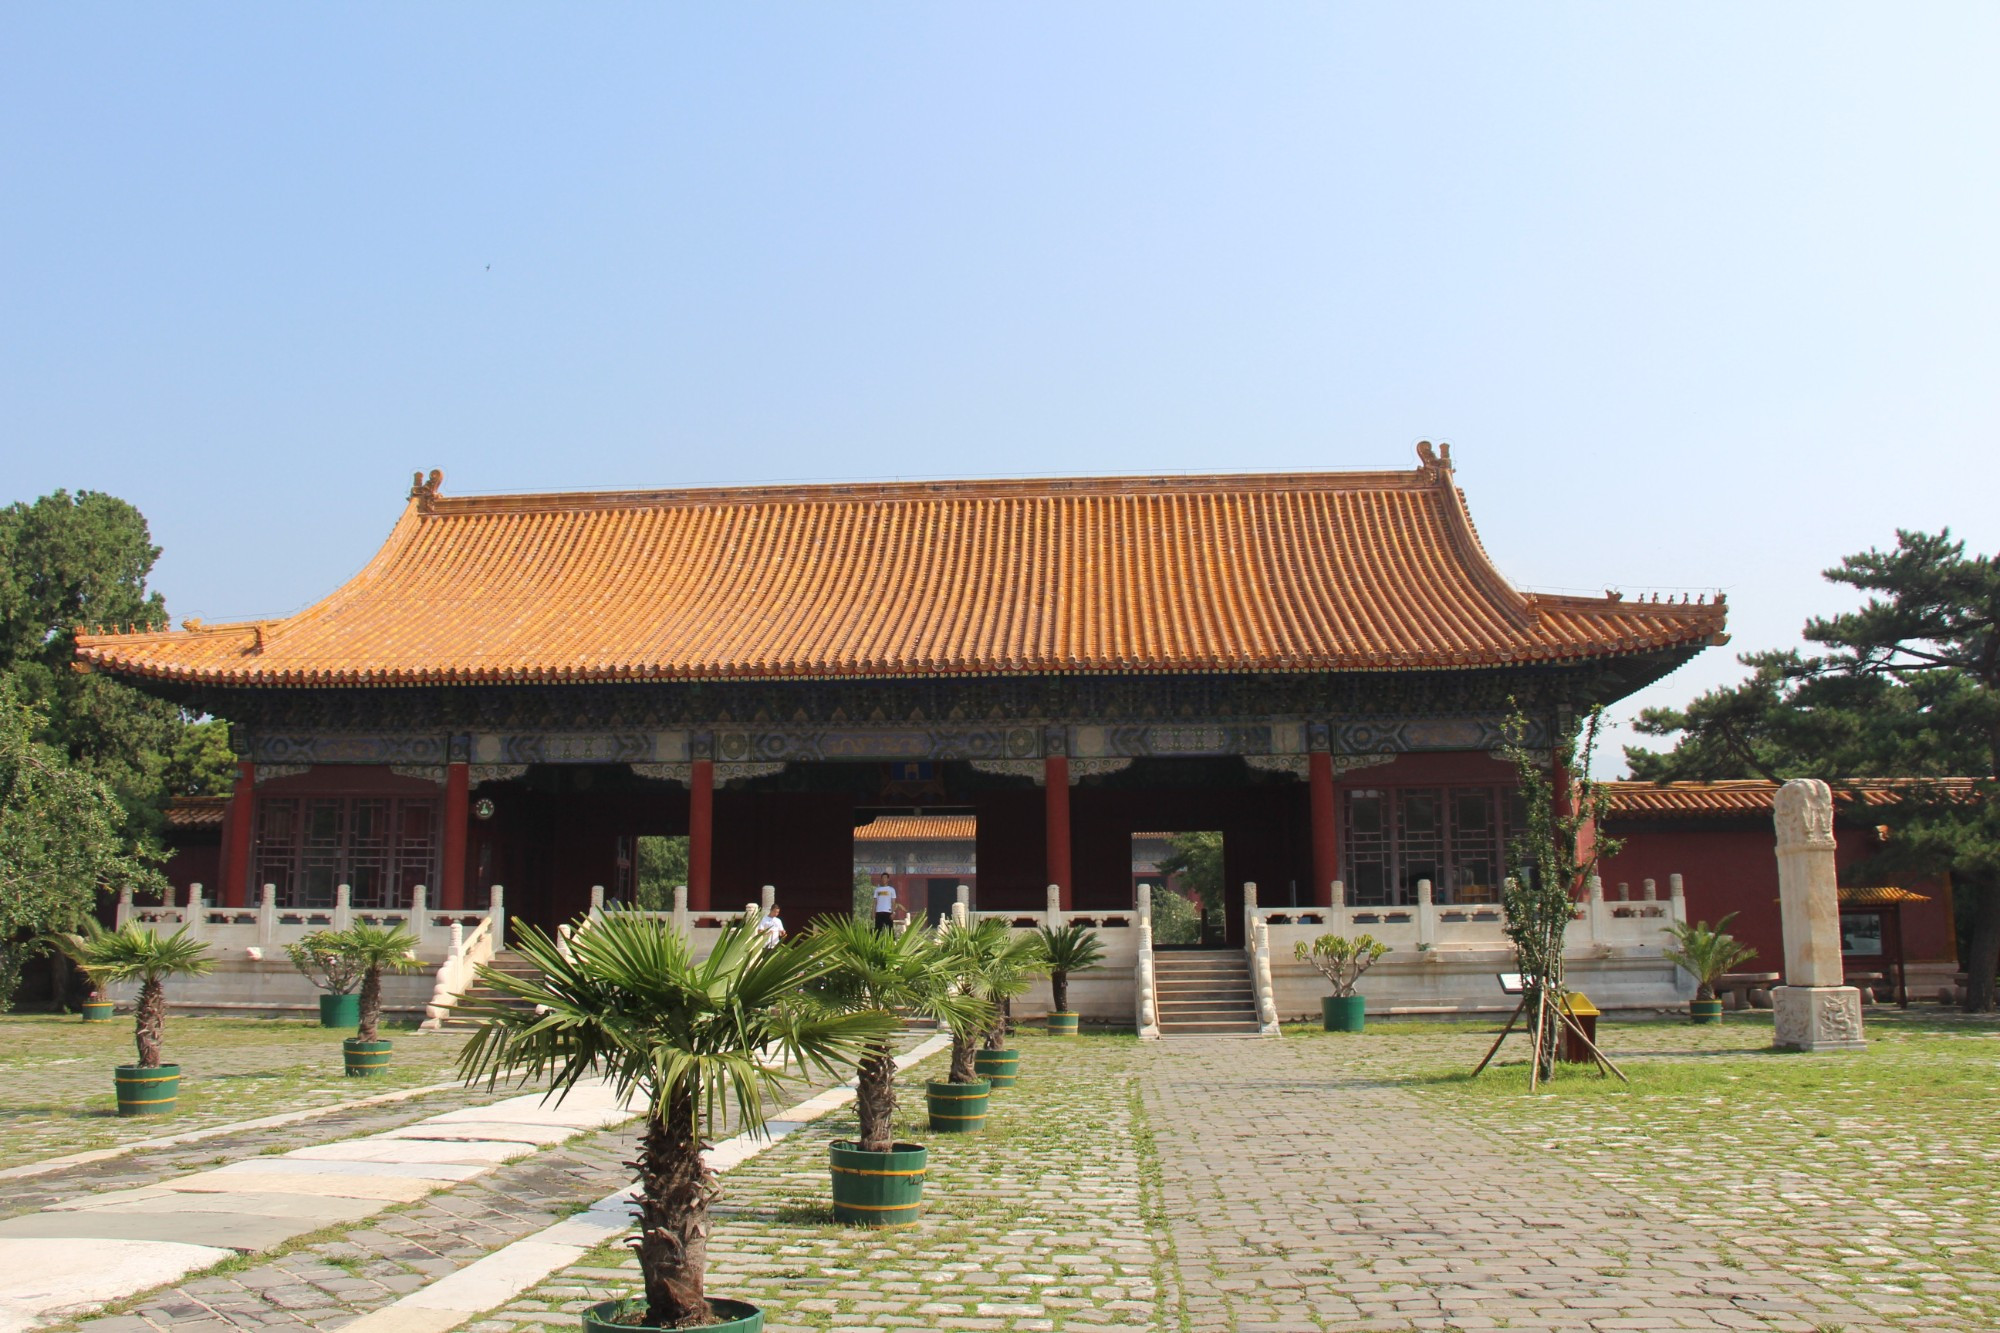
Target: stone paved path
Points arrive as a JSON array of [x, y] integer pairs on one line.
[[1308, 1194]]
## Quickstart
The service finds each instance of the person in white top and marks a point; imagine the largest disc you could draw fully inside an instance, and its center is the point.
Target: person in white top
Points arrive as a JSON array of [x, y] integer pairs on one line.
[[772, 928], [885, 905]]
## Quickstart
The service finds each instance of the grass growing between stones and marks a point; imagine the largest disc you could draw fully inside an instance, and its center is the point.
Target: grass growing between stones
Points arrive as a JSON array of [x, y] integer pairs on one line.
[[1040, 1221], [1875, 1174], [56, 1092]]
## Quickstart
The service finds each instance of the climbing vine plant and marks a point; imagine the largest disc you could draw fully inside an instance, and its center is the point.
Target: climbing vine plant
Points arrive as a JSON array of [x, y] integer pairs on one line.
[[1553, 856]]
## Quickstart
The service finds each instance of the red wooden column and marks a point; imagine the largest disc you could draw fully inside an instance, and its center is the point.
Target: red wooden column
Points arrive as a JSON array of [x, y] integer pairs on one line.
[[701, 832], [457, 819], [1055, 796], [1559, 787], [239, 823], [1325, 831]]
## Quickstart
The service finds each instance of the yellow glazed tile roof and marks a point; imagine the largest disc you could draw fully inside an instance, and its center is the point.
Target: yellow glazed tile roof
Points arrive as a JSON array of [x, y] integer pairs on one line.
[[1746, 796], [1262, 573], [918, 828]]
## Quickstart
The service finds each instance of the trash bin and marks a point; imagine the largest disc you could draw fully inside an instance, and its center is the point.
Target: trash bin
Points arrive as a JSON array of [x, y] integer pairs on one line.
[[1568, 1049]]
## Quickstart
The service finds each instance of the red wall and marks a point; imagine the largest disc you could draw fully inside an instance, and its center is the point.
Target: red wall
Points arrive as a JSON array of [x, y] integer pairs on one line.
[[1735, 869]]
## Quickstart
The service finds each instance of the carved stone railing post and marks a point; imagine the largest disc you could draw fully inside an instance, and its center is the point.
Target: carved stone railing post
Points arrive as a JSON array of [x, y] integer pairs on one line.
[[1426, 916], [597, 900], [267, 915], [343, 907], [1250, 916], [124, 906], [1337, 913], [965, 896], [420, 909], [767, 898], [1267, 995], [1052, 916], [681, 910], [194, 918], [1814, 1010], [1147, 1016], [1650, 891], [961, 914], [1677, 903], [1595, 911], [1143, 902], [496, 912]]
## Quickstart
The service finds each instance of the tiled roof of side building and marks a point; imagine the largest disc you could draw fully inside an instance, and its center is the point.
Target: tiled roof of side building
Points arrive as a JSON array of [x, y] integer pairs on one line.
[[918, 828], [1746, 796], [1334, 571]]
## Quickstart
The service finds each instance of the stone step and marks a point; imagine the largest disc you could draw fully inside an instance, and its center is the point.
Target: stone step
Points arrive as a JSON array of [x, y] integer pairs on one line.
[[1205, 1028], [1190, 992], [1235, 1013]]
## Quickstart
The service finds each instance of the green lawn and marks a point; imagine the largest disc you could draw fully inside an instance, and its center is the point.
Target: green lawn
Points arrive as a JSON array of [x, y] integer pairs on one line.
[[1875, 1173], [55, 1076]]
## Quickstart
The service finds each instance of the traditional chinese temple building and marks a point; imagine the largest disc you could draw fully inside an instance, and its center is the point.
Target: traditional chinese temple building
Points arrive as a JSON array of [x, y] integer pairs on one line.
[[1318, 665]]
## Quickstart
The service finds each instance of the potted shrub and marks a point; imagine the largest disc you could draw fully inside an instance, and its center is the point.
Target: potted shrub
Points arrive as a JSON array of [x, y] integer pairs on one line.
[[133, 953], [883, 974], [631, 1003], [373, 950], [1342, 962], [1074, 948], [1706, 953], [319, 959]]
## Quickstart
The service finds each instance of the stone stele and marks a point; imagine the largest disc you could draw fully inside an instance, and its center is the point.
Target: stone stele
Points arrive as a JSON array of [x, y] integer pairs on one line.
[[1813, 1010]]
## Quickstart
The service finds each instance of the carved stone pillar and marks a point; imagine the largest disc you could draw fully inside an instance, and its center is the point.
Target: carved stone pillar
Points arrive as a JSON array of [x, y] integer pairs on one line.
[[1814, 1011]]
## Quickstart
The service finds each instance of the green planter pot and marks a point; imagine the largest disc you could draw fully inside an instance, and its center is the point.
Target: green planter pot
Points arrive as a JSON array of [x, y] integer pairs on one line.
[[999, 1068], [878, 1189], [1062, 1025], [364, 1057], [340, 1011], [147, 1091], [957, 1108], [1343, 1013], [738, 1317], [1705, 1011], [98, 1011]]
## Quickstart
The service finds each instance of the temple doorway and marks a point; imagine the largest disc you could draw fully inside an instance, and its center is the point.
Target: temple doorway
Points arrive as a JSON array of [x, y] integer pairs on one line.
[[922, 856], [1184, 871]]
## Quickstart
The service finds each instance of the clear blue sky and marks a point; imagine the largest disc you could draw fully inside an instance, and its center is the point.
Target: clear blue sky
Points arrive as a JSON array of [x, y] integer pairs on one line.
[[1703, 295]]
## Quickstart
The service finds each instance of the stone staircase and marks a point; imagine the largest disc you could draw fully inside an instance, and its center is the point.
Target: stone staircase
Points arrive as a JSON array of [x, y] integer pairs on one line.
[[1200, 992], [481, 994]]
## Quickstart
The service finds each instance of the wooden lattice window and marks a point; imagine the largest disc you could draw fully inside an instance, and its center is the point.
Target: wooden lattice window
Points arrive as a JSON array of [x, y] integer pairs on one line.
[[1455, 837], [381, 847]]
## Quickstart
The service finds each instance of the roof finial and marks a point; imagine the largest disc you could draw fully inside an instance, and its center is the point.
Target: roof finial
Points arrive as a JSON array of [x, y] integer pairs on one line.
[[1433, 462], [425, 492]]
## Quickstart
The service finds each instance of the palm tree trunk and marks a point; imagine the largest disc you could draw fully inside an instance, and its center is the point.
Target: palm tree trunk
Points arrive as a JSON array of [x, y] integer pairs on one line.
[[371, 1004], [673, 1217], [1059, 983], [151, 1021], [875, 1099], [961, 1059]]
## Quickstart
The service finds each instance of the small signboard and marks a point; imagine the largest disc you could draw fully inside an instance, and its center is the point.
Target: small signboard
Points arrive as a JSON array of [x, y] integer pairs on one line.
[[1511, 983]]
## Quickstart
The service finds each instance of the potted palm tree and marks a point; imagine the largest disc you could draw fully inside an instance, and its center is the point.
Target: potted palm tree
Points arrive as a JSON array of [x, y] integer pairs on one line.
[[958, 1102], [1342, 962], [1073, 948], [319, 959], [884, 974], [372, 950], [133, 953], [1005, 973], [685, 1038], [1706, 953]]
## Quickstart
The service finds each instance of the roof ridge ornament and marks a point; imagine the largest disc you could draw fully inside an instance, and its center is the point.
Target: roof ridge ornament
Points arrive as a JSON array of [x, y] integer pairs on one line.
[[425, 490], [1434, 461]]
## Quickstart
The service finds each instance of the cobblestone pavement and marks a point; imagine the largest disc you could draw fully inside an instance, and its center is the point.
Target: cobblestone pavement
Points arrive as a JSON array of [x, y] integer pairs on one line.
[[1309, 1192], [56, 1091], [1042, 1221], [149, 1166], [326, 1280]]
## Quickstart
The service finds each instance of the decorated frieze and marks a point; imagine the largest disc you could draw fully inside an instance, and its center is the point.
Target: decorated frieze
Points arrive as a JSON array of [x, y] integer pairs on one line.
[[347, 748]]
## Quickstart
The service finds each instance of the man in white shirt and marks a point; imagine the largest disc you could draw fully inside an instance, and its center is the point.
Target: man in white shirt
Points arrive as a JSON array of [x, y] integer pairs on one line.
[[771, 928], [885, 904]]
